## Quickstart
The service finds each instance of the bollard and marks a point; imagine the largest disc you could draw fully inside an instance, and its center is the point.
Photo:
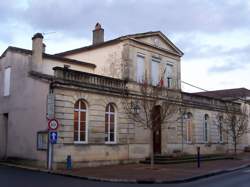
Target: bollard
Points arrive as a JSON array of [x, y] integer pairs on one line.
[[198, 157], [69, 162]]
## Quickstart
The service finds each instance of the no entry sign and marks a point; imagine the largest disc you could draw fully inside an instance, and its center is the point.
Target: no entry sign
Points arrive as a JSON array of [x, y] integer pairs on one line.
[[53, 124]]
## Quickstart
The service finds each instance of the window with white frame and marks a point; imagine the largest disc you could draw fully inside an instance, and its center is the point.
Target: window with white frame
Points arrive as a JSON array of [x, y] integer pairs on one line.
[[169, 75], [110, 124], [205, 128], [6, 89], [189, 128], [155, 72], [80, 122], [140, 68], [220, 129]]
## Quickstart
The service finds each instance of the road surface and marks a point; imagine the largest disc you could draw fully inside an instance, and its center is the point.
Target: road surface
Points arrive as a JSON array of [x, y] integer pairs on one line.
[[14, 177]]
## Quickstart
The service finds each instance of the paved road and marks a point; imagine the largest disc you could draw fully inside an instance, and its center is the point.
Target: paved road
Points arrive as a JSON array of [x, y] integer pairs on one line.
[[12, 177]]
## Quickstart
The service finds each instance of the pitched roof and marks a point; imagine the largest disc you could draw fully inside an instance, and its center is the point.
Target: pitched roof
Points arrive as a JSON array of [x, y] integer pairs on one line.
[[121, 38], [48, 56], [234, 93]]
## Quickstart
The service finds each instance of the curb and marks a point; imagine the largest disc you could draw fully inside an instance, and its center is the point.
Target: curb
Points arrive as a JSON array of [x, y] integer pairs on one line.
[[184, 180]]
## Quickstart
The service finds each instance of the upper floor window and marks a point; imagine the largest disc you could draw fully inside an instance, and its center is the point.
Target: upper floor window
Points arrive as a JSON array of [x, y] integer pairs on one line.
[[205, 128], [110, 129], [169, 75], [155, 72], [6, 89], [140, 68], [80, 122]]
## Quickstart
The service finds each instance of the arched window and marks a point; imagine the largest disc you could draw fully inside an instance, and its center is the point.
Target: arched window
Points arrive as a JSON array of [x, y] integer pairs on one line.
[[189, 128], [110, 129], [220, 129], [80, 122], [205, 128]]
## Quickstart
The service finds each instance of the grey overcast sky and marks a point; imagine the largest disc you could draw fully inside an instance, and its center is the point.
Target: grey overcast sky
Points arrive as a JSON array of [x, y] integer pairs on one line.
[[213, 34]]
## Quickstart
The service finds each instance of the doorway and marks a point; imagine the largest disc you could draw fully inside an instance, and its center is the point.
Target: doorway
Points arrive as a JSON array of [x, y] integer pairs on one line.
[[157, 129], [4, 118]]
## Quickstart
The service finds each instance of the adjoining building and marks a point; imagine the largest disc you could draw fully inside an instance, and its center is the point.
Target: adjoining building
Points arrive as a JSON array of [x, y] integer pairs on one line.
[[82, 88]]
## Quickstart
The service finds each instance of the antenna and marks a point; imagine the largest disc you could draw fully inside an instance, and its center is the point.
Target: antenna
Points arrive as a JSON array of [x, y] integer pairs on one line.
[[47, 33]]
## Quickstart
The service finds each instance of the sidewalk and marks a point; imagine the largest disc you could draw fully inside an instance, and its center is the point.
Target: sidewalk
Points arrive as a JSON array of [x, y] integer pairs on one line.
[[142, 173], [160, 173]]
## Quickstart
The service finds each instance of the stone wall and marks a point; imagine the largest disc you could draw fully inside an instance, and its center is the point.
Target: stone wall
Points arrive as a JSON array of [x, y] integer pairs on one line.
[[127, 144]]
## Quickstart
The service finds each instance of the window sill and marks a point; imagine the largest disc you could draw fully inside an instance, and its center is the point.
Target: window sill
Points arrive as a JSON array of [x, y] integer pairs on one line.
[[78, 142], [110, 143]]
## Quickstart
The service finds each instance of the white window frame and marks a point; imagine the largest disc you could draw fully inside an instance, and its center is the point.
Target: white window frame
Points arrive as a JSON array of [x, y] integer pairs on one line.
[[115, 131], [79, 110], [205, 129], [140, 68], [155, 81], [7, 77]]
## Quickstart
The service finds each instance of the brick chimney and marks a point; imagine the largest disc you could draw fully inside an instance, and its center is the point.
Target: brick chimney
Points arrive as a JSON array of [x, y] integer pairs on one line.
[[37, 48], [98, 34]]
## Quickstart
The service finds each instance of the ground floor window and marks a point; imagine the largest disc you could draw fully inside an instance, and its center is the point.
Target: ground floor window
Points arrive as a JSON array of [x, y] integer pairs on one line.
[[80, 122], [110, 133]]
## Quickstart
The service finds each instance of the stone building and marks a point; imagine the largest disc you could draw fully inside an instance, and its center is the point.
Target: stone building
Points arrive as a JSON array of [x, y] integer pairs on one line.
[[82, 88]]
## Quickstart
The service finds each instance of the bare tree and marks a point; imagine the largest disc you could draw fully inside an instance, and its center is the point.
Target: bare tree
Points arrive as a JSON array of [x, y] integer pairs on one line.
[[141, 106], [234, 123]]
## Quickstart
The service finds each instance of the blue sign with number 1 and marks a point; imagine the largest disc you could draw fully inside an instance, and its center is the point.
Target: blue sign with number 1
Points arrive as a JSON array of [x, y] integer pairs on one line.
[[53, 137]]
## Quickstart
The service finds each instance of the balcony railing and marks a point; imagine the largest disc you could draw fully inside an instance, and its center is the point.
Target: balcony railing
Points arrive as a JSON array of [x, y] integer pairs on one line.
[[88, 79], [191, 99]]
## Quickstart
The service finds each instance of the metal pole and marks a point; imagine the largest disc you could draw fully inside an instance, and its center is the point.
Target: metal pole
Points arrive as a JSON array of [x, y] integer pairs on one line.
[[182, 141], [198, 157], [50, 154]]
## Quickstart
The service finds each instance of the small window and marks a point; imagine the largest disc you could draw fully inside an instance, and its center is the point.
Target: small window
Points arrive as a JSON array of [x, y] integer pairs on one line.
[[7, 73], [80, 122], [110, 124], [155, 72], [140, 69], [205, 128], [42, 140]]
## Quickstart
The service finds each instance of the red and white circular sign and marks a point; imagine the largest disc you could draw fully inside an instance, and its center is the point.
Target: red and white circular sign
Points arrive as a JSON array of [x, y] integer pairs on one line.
[[53, 124]]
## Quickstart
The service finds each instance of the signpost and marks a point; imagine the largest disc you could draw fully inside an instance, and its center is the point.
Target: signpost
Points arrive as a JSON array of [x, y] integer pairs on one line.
[[53, 135]]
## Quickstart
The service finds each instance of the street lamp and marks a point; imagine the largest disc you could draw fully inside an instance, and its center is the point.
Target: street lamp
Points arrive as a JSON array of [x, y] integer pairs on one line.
[[135, 108]]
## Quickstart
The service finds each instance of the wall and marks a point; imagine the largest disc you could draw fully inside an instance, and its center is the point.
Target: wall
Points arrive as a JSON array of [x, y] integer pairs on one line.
[[149, 53], [108, 59], [26, 107], [47, 65], [96, 149]]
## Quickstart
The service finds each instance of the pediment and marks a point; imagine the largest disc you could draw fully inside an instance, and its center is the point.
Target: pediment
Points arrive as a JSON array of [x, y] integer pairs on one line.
[[158, 40]]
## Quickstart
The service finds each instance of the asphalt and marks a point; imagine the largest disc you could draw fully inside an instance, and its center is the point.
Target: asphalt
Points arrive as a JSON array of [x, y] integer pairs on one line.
[[17, 177]]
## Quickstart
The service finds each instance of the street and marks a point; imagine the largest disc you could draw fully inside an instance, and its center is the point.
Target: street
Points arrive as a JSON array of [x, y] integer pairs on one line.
[[14, 177]]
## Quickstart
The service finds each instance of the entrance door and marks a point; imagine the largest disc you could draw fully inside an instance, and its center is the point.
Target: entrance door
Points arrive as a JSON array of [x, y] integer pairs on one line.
[[3, 135], [157, 130]]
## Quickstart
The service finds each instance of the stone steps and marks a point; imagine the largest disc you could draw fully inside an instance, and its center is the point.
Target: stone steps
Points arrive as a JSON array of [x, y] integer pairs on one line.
[[184, 159]]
